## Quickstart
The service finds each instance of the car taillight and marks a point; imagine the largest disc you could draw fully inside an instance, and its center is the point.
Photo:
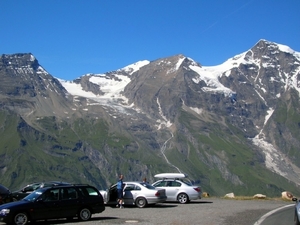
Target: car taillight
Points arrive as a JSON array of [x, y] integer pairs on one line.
[[197, 189], [157, 194]]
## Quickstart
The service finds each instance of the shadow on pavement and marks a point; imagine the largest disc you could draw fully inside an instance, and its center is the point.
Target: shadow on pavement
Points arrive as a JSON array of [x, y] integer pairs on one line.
[[73, 221], [161, 205], [190, 203]]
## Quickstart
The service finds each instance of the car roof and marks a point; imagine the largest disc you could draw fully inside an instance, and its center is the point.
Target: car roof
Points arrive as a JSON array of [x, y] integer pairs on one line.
[[133, 182], [66, 185], [53, 183]]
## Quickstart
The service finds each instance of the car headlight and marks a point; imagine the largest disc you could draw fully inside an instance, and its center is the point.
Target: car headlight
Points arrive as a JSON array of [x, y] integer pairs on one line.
[[4, 211]]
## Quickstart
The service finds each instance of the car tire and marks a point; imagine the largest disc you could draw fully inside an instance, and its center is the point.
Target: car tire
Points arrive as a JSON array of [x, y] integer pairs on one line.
[[141, 202], [20, 218], [84, 214], [182, 198], [296, 219]]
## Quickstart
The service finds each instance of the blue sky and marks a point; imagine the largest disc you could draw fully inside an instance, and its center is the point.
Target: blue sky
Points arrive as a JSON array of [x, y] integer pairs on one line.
[[72, 38]]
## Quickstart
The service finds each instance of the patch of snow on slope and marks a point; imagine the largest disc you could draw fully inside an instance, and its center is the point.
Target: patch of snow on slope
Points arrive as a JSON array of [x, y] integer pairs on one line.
[[165, 121], [294, 80], [135, 66], [197, 110], [273, 156], [111, 87], [269, 114], [76, 89], [176, 67], [287, 49], [210, 74], [179, 63]]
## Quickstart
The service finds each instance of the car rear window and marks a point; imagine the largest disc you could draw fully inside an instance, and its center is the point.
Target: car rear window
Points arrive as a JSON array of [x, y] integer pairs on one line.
[[146, 185]]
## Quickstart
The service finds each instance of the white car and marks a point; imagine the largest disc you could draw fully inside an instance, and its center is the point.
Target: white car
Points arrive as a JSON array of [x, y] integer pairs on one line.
[[135, 193], [178, 187]]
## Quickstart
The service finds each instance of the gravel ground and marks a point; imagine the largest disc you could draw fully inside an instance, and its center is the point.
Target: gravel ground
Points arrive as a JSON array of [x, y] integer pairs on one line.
[[208, 211]]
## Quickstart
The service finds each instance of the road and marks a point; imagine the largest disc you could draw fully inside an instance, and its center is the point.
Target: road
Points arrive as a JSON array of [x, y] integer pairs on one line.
[[282, 215], [208, 211]]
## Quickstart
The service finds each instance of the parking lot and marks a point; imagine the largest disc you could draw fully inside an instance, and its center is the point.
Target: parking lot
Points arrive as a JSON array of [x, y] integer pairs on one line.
[[208, 211]]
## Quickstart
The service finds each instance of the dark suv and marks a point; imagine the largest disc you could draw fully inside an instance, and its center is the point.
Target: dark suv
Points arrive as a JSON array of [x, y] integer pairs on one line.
[[5, 195], [23, 192], [77, 200]]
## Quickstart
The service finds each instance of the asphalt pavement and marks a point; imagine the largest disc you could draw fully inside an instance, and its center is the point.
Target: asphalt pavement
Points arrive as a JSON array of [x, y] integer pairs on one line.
[[207, 211]]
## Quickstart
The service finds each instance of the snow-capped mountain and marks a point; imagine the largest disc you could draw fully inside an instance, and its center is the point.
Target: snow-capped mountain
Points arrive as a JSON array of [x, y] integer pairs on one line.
[[257, 77], [239, 120]]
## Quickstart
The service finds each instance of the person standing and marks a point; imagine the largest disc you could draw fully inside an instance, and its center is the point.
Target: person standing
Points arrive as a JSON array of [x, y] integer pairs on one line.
[[120, 191], [145, 180]]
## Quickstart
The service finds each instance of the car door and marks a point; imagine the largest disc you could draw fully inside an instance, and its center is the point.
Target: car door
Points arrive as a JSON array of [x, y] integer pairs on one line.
[[129, 194], [47, 206], [171, 187], [167, 186], [112, 195], [171, 190], [68, 202]]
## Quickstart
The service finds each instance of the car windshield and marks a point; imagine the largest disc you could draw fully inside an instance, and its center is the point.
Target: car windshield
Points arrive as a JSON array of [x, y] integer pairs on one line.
[[33, 196], [146, 185]]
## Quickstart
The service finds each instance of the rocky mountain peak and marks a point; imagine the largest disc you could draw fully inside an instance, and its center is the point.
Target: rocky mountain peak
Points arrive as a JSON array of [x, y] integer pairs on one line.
[[264, 50], [22, 63], [22, 77]]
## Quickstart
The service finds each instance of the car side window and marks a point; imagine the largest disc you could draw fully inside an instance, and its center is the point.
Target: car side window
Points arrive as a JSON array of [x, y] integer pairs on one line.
[[129, 187], [176, 184], [169, 184], [68, 193], [161, 184], [137, 188], [50, 195]]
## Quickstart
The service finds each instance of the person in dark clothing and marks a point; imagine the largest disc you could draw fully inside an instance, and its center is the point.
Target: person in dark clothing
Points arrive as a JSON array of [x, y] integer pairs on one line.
[[120, 191]]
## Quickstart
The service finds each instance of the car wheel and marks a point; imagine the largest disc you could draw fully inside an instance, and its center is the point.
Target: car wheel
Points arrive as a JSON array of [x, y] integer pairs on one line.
[[182, 198], [141, 202], [84, 214], [296, 219], [21, 218]]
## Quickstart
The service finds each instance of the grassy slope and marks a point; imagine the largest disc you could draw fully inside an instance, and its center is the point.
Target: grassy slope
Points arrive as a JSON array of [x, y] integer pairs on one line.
[[82, 151], [216, 156]]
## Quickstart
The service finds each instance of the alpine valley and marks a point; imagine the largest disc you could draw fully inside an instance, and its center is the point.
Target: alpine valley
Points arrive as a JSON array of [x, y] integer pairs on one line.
[[233, 127]]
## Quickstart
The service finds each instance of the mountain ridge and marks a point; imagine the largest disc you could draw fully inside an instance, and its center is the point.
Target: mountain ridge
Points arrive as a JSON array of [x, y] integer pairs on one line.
[[226, 119]]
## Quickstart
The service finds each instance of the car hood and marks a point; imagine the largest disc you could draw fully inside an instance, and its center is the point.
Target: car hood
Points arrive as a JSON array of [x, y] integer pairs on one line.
[[15, 204]]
